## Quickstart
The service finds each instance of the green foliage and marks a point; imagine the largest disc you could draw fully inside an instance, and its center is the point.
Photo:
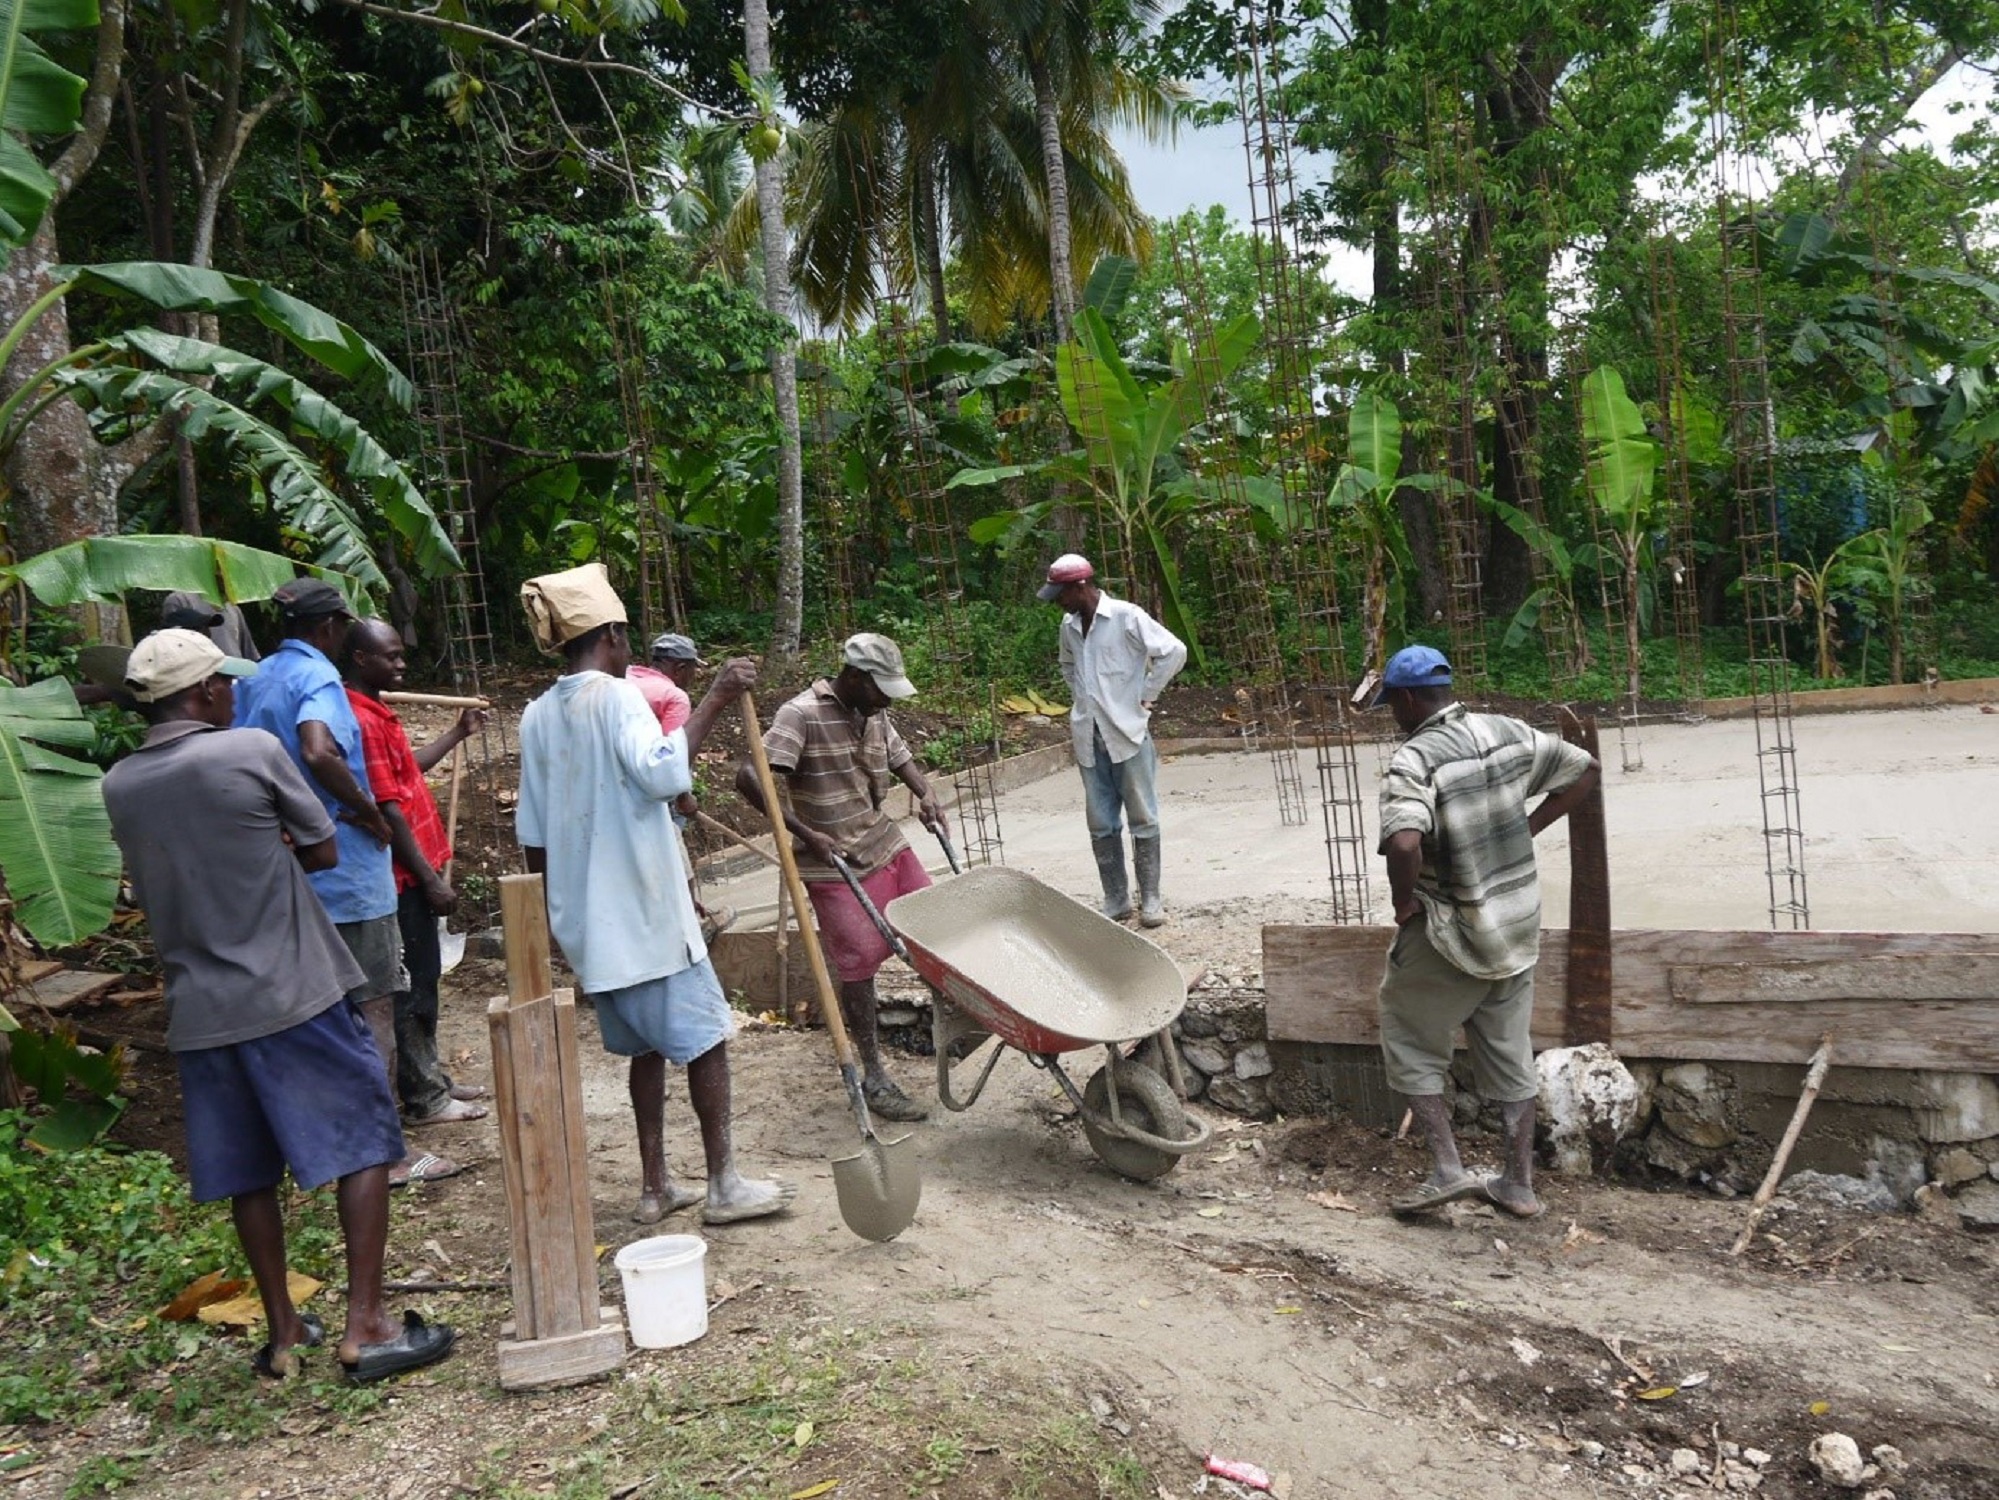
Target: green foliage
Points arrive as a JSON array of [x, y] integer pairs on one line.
[[105, 568], [37, 97], [51, 1063], [98, 1240], [55, 838]]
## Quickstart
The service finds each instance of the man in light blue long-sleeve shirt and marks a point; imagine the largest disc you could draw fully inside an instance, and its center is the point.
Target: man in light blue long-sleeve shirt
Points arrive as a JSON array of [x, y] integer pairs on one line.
[[1117, 660]]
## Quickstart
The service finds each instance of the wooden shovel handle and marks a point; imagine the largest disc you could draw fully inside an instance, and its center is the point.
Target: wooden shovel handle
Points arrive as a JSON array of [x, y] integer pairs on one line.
[[451, 816], [815, 956]]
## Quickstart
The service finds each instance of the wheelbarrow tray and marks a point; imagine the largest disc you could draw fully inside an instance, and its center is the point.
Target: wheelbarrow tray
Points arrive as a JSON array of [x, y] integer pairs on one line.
[[1040, 971]]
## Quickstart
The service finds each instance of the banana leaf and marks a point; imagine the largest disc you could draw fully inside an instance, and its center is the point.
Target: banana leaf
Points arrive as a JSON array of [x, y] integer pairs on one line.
[[55, 837], [102, 569], [362, 460], [36, 97], [1622, 458]]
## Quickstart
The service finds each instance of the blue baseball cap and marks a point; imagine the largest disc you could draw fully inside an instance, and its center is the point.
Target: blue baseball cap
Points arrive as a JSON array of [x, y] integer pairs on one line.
[[1413, 667]]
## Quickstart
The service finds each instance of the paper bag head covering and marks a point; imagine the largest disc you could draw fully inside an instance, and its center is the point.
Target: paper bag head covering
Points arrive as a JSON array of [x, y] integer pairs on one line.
[[562, 606]]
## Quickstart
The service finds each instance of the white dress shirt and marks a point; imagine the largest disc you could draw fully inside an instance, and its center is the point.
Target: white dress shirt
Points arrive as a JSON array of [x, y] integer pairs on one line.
[[1123, 663]]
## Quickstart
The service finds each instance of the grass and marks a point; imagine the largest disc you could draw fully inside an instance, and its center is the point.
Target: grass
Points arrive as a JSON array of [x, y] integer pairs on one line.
[[866, 1408]]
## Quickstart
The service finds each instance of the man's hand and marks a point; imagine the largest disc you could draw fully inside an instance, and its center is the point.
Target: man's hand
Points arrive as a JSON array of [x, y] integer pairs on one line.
[[737, 677], [370, 822], [1407, 911], [440, 897], [822, 846], [685, 805], [932, 815], [471, 721]]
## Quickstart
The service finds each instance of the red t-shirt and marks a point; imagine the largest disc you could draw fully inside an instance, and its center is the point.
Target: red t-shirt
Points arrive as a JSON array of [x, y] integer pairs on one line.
[[394, 776], [665, 697]]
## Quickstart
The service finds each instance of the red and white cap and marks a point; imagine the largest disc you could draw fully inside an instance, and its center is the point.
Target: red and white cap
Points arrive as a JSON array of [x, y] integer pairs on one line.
[[1070, 567]]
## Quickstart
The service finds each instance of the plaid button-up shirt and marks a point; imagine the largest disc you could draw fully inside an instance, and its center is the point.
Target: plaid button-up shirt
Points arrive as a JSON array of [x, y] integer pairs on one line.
[[1463, 781], [394, 776]]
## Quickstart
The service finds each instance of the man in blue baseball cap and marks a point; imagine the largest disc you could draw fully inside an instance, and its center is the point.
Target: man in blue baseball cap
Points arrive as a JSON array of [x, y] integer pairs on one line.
[[1458, 837]]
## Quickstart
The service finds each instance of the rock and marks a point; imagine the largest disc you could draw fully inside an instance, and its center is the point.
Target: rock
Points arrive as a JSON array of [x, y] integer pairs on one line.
[[1669, 1153], [1879, 1495], [1978, 1207], [1958, 1166], [491, 943], [1836, 1191], [1739, 1476], [1898, 1166], [1592, 1451], [1198, 1023], [1205, 1057], [1695, 1104], [1755, 1456], [1934, 1204], [897, 1015], [1957, 1107], [1241, 1096], [1253, 1061], [1837, 1458], [1589, 1101], [1685, 1463], [1889, 1457]]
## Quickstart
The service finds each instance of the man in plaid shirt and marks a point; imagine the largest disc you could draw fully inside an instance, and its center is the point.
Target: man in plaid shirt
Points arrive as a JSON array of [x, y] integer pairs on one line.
[[1458, 837], [372, 663]]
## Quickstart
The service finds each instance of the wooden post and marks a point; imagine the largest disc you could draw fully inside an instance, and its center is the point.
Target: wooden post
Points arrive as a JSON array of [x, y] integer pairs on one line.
[[1586, 1016], [560, 1335]]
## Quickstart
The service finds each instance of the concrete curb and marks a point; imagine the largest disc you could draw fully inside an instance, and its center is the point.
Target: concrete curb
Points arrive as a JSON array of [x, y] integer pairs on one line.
[[1967, 690]]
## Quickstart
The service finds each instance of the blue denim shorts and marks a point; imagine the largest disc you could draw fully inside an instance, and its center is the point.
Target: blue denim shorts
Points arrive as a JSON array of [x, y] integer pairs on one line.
[[313, 1097], [679, 1016]]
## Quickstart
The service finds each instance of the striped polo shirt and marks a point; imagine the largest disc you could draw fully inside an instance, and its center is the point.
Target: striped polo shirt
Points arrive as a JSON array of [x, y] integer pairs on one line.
[[839, 763], [1463, 781]]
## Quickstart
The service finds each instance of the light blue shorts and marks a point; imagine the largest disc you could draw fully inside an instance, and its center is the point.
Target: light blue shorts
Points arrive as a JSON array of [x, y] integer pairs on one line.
[[680, 1016]]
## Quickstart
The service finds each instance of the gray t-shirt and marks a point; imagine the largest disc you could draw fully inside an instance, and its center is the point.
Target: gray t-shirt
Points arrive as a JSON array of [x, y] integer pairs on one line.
[[247, 947]]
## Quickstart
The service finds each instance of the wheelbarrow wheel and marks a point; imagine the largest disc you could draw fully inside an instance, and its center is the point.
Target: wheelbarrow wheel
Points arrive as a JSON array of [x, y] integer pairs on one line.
[[1145, 1100]]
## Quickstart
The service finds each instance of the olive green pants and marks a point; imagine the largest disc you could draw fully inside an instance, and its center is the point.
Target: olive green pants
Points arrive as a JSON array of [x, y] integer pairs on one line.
[[1425, 998]]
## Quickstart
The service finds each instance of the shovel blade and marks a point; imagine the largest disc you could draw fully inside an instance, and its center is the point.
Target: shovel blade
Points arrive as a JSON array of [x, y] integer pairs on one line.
[[879, 1187], [450, 947]]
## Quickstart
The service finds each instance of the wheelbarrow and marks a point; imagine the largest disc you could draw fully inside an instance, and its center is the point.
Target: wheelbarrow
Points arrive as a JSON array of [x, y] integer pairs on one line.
[[1007, 957]]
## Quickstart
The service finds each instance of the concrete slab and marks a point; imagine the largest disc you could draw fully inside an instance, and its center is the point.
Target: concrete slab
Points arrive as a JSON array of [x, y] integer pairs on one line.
[[1899, 814]]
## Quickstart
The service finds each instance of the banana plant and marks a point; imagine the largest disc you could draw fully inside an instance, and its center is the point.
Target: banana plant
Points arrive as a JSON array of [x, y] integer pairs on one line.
[[1620, 472], [1814, 592], [1362, 499], [273, 424], [55, 840], [37, 97], [1884, 562], [1130, 436]]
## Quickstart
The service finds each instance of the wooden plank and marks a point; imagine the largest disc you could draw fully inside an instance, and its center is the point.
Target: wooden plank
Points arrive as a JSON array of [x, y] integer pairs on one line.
[[67, 989], [499, 1023], [545, 1174], [576, 1147], [524, 917], [1929, 976], [1586, 1014], [1320, 984], [571, 1359]]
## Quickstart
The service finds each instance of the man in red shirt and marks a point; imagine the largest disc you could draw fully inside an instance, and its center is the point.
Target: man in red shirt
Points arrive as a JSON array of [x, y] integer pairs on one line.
[[372, 663]]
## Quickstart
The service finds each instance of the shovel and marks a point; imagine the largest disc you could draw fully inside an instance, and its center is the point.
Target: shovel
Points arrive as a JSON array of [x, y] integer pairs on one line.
[[451, 945], [879, 1186]]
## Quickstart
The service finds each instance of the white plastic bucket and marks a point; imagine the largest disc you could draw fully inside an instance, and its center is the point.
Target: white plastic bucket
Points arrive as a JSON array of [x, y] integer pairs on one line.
[[666, 1289]]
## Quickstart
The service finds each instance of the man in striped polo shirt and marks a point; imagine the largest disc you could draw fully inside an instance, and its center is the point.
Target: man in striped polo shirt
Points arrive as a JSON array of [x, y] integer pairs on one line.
[[1459, 840], [836, 748]]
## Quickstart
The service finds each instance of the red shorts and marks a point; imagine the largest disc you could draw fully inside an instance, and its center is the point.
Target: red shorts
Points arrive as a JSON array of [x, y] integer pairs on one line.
[[855, 948]]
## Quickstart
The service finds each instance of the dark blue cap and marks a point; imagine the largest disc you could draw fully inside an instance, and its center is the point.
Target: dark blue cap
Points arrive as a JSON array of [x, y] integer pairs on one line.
[[1414, 667]]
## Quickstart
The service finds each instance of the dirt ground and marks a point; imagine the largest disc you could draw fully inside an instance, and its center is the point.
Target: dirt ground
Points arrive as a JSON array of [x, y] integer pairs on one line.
[[1046, 1327]]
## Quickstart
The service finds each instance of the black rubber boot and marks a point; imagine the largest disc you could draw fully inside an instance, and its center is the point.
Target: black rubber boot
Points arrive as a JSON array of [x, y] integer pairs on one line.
[[1151, 905], [1110, 870]]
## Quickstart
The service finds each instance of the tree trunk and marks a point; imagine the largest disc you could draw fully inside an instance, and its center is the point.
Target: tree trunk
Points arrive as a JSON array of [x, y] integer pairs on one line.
[[930, 240], [790, 611], [1061, 273]]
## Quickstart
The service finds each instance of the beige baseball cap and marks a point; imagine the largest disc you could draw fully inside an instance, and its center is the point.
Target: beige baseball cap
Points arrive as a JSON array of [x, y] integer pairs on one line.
[[171, 661], [881, 659]]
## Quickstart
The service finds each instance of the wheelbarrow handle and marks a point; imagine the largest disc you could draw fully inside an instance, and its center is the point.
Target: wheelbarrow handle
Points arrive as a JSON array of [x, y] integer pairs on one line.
[[861, 895], [950, 852]]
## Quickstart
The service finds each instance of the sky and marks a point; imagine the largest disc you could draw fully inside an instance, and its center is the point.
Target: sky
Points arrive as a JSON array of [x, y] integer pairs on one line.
[[1203, 167]]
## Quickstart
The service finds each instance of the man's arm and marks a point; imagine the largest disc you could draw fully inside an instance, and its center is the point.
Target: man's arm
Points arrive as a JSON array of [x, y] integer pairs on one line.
[[910, 774], [313, 858], [438, 895], [470, 722], [1558, 805], [736, 678], [536, 857], [1165, 655], [329, 768], [1404, 853], [751, 790]]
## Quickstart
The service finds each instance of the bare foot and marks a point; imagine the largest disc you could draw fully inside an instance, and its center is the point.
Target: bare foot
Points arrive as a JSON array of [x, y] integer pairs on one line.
[[736, 1198], [653, 1206], [1517, 1198]]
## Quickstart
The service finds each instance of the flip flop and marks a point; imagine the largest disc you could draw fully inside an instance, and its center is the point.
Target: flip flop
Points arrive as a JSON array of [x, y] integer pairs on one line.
[[419, 1344], [426, 1168], [266, 1360], [1429, 1197], [454, 1112]]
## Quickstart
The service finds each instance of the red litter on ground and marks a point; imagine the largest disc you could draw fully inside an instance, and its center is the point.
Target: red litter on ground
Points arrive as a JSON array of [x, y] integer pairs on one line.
[[1240, 1472]]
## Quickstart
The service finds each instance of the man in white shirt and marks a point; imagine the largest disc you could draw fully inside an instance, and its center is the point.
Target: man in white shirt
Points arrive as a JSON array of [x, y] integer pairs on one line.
[[597, 778], [1117, 660]]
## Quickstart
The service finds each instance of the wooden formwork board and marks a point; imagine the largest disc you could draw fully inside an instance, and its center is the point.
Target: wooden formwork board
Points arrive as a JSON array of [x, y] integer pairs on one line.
[[1895, 999]]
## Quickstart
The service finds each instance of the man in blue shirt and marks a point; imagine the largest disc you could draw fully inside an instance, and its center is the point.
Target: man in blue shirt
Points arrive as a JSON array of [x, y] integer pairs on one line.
[[299, 697]]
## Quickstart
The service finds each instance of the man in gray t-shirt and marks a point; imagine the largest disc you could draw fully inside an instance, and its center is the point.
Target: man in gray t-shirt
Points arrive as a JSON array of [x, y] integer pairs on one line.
[[278, 1070]]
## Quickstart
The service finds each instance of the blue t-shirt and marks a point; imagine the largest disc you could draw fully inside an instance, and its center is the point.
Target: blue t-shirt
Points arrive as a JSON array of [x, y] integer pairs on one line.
[[293, 684]]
